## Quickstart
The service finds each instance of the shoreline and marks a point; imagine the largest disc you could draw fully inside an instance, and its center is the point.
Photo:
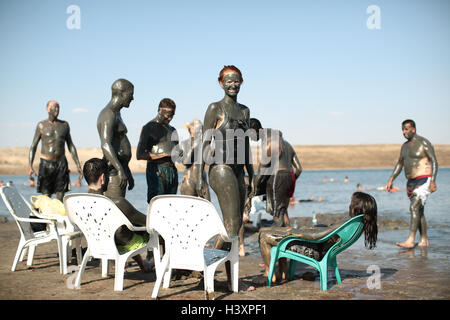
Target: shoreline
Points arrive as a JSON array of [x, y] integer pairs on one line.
[[14, 160], [401, 273]]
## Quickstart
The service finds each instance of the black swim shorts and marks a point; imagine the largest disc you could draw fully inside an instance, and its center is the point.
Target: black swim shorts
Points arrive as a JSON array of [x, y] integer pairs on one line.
[[53, 176]]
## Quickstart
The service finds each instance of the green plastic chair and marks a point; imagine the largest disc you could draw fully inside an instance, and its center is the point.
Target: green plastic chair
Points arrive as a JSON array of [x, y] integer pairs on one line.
[[349, 232]]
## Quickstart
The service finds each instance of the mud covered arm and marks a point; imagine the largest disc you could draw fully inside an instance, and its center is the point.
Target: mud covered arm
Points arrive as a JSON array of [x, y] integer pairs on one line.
[[33, 147], [249, 165], [142, 152], [315, 233], [105, 126], [73, 152], [136, 217], [397, 169], [209, 123], [296, 165], [429, 151]]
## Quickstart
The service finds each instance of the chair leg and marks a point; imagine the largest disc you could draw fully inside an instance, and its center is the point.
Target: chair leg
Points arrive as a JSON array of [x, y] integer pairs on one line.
[[323, 270], [336, 271], [338, 276], [208, 279], [273, 260], [105, 267], [118, 276], [24, 252], [31, 249], [160, 274], [167, 277], [65, 255], [19, 253], [60, 254], [156, 257], [235, 276], [78, 250], [82, 267]]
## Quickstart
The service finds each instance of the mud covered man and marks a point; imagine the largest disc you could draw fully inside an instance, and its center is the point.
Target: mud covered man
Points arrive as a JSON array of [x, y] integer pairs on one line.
[[418, 158], [114, 141], [53, 174], [157, 141], [283, 170]]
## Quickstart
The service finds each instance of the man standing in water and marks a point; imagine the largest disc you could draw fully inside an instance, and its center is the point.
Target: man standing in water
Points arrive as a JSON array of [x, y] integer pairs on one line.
[[419, 160], [114, 141], [156, 143], [53, 168], [283, 176]]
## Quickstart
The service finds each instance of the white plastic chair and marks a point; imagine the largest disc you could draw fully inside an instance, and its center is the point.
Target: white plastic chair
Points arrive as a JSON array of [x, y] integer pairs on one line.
[[60, 230], [99, 218], [68, 234], [186, 224]]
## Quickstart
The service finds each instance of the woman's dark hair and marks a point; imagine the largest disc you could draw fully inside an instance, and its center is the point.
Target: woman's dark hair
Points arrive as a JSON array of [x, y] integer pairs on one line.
[[363, 203]]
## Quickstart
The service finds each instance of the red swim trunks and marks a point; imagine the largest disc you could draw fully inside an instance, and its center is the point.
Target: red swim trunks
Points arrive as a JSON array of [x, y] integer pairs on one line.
[[292, 189], [416, 183]]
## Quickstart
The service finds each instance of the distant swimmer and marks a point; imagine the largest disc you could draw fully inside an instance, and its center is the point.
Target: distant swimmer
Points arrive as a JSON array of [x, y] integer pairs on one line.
[[418, 158], [346, 179], [393, 189], [292, 201]]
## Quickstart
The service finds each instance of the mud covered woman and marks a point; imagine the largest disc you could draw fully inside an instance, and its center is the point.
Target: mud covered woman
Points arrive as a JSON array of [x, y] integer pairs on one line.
[[227, 121]]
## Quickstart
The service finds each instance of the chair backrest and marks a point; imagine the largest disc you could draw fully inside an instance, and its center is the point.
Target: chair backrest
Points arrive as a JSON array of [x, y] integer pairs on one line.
[[19, 208], [186, 223], [98, 218], [348, 233]]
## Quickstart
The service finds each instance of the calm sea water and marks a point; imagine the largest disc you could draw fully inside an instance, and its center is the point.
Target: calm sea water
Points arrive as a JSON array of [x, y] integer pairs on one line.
[[335, 194]]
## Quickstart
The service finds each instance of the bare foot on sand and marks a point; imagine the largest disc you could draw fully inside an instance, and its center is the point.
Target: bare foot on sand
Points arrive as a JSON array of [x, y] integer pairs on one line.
[[241, 251], [406, 244], [423, 243]]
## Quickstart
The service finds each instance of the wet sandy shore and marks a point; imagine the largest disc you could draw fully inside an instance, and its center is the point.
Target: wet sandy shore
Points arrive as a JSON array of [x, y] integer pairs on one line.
[[420, 273]]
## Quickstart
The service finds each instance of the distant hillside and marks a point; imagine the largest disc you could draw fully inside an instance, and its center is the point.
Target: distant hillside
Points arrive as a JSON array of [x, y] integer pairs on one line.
[[319, 157]]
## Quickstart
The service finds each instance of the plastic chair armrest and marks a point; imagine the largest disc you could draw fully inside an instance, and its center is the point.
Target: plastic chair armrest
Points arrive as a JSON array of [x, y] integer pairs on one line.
[[138, 228], [35, 220]]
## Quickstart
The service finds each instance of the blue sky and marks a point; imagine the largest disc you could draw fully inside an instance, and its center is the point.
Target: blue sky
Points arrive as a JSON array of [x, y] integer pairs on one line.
[[311, 68]]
